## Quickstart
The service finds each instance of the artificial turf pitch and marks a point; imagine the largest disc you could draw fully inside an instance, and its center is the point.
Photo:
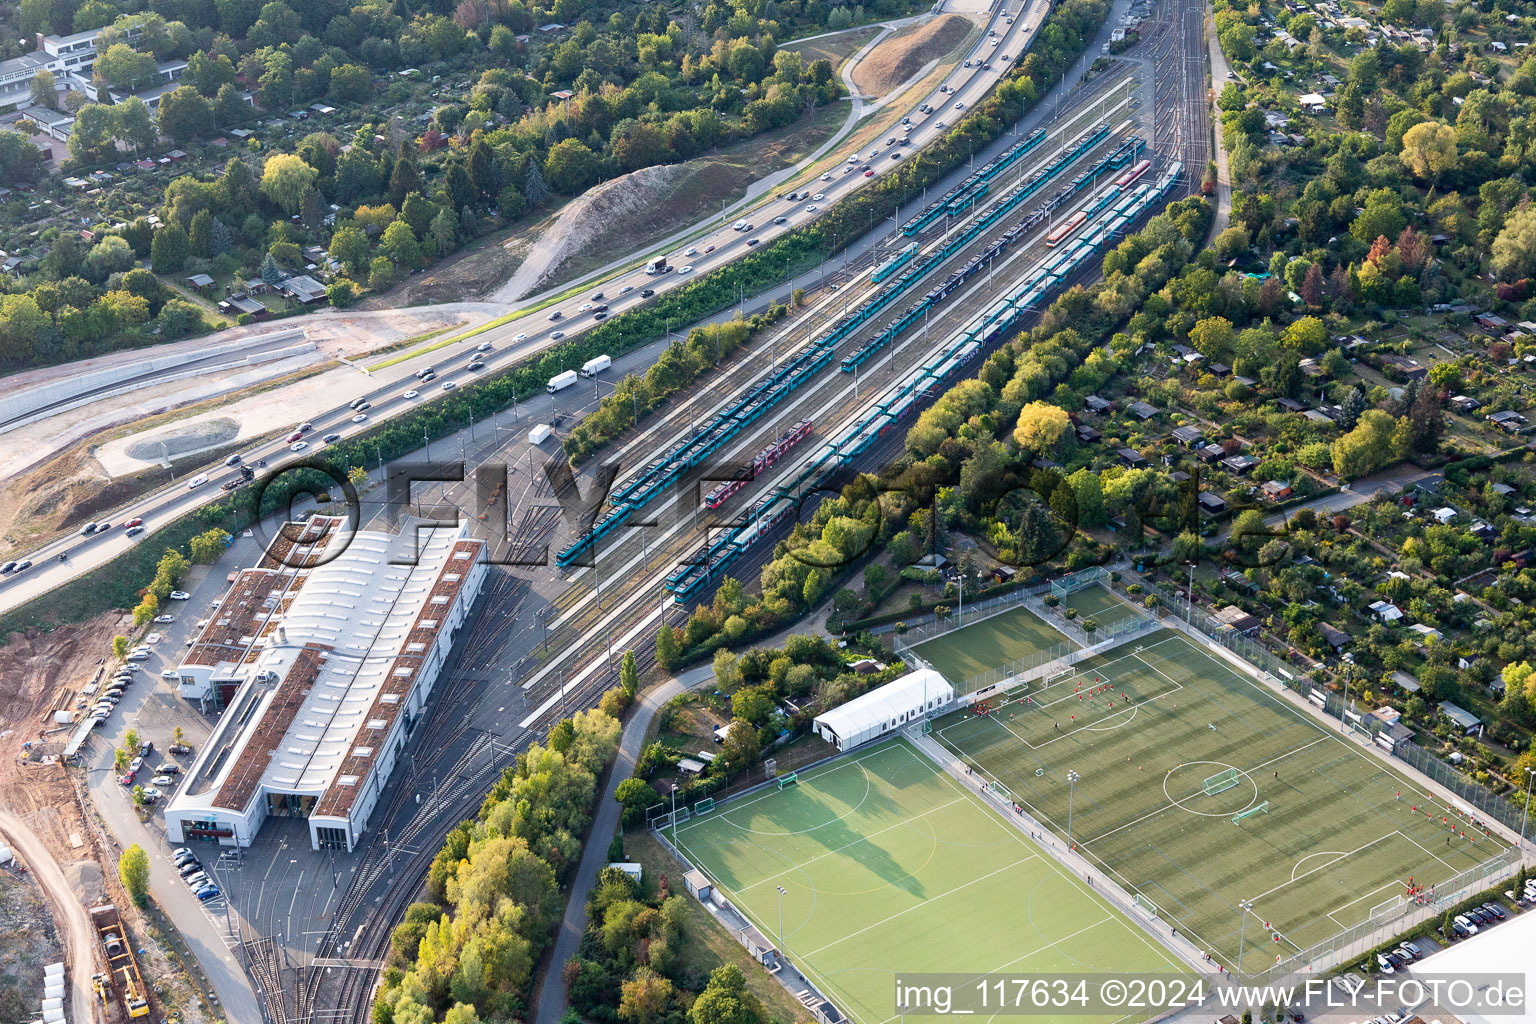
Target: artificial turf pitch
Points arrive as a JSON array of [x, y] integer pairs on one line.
[[1144, 725], [1003, 638], [891, 866]]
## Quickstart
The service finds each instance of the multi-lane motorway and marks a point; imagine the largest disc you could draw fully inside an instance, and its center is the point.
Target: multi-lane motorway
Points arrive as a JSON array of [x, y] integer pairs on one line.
[[1010, 25]]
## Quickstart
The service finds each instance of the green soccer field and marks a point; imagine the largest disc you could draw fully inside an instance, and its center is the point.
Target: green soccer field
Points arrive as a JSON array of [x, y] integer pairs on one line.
[[891, 866], [1005, 637], [1333, 833], [1099, 604]]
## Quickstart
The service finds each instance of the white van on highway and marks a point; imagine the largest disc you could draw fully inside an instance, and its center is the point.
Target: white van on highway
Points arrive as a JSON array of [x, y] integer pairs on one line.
[[197, 481]]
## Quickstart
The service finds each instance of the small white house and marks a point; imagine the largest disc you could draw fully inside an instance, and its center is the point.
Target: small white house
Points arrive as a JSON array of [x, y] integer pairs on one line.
[[1444, 514], [1312, 102], [1386, 611], [885, 710]]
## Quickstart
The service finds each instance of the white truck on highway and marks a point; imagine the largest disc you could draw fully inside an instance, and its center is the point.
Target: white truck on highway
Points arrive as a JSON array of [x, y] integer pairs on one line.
[[659, 265], [596, 365], [561, 381]]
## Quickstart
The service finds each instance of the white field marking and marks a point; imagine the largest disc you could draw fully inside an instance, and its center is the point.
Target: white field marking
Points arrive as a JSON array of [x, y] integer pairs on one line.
[[1364, 896], [917, 906], [838, 849], [1324, 867], [1320, 853], [849, 763], [1171, 806]]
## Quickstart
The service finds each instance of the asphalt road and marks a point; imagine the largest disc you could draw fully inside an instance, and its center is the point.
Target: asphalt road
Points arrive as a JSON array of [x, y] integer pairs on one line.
[[511, 343]]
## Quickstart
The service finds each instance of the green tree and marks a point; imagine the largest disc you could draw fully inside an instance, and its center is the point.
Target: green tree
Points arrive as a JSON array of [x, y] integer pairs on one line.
[[19, 159], [667, 651], [350, 247], [133, 869], [285, 178], [134, 124], [184, 115], [119, 647], [1212, 337], [341, 293], [125, 68], [629, 674], [207, 546], [725, 1000], [168, 252], [400, 244], [271, 273], [1429, 150], [350, 83], [1366, 448], [571, 167], [1514, 248], [43, 90]]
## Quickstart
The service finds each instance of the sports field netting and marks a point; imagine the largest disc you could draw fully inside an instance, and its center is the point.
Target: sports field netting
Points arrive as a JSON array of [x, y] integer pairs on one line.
[[1007, 637], [1144, 726], [892, 866]]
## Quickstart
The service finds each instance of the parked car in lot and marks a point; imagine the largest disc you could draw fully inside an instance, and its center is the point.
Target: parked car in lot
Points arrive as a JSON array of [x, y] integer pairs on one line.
[[180, 749], [169, 768], [180, 595], [151, 794], [165, 618], [207, 892]]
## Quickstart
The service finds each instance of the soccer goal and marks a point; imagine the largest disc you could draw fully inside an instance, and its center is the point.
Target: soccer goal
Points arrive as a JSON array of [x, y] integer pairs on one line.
[[1075, 581], [1146, 906], [787, 780], [1001, 790], [1263, 808], [704, 806], [1221, 782]]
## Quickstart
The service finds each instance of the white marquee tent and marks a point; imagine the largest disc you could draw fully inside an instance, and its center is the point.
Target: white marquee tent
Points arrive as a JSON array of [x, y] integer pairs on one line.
[[884, 710]]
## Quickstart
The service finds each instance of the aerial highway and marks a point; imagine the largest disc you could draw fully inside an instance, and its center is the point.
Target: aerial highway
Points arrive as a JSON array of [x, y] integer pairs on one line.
[[1010, 26]]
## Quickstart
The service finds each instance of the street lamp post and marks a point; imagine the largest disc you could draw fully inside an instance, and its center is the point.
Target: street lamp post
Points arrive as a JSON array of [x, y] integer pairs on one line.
[[1242, 933], [782, 893], [1530, 778], [1072, 778]]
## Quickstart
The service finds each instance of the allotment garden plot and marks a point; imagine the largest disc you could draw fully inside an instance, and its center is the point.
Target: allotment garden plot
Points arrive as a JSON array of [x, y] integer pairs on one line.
[[887, 866], [1198, 788]]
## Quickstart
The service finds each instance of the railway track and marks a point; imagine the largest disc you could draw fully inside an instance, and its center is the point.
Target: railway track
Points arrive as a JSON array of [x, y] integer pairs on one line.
[[594, 617]]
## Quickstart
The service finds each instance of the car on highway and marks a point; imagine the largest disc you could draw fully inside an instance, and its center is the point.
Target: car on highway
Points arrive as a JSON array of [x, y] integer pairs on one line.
[[691, 251], [818, 197], [599, 315], [134, 522], [556, 315], [646, 293], [294, 436], [364, 406], [180, 595], [1005, 57], [422, 373], [869, 174], [557, 335], [827, 176], [479, 364], [361, 417], [163, 780], [626, 289], [87, 529], [781, 220], [484, 346], [895, 156], [23, 565], [233, 460], [812, 208], [7, 568], [355, 403], [520, 337], [331, 438], [752, 241], [938, 124], [708, 249], [449, 385], [411, 393], [298, 446], [429, 376], [686, 270], [854, 159], [959, 105]]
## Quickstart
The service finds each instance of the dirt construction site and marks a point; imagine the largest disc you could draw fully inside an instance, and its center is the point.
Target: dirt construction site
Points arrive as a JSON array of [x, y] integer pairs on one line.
[[64, 857]]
